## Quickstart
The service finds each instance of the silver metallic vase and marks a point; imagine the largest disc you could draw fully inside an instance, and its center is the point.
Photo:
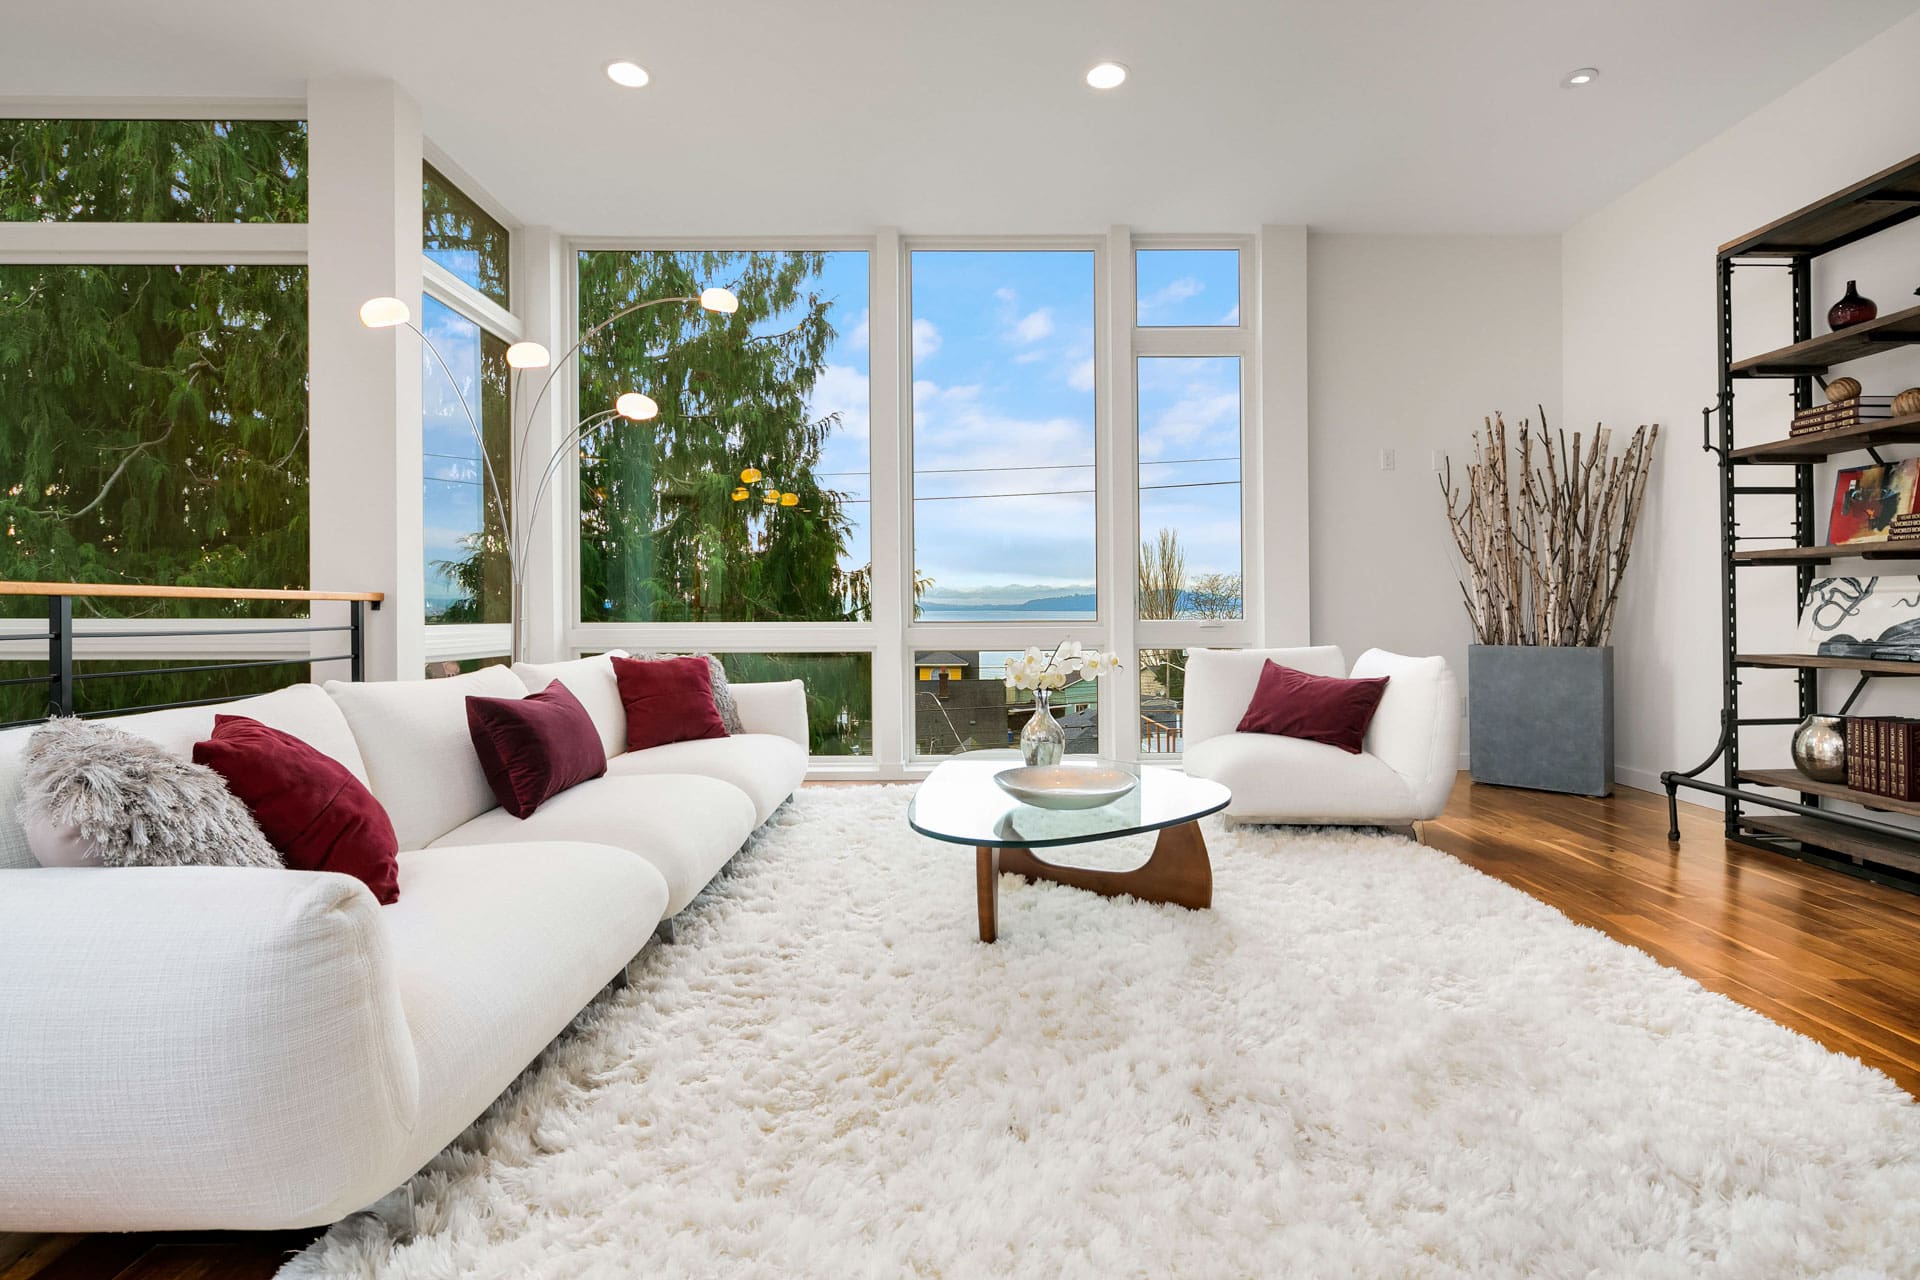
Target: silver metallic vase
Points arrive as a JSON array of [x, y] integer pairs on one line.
[[1820, 749], [1043, 741]]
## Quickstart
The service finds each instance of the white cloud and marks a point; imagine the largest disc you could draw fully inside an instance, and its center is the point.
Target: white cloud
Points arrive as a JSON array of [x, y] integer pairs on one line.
[[926, 339], [1233, 316], [860, 336], [842, 389], [1176, 291], [1200, 414], [1034, 326], [1080, 377], [1005, 294]]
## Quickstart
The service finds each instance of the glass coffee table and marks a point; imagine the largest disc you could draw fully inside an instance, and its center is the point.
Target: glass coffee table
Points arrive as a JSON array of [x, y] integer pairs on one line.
[[960, 803]]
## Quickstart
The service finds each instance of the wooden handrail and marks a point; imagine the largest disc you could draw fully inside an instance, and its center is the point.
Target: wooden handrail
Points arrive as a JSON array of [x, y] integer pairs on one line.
[[177, 593]]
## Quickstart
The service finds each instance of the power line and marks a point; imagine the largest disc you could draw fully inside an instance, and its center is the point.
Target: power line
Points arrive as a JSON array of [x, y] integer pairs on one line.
[[1055, 466]]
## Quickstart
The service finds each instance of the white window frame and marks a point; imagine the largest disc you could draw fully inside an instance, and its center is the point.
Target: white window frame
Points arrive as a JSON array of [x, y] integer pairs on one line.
[[1243, 342], [759, 637], [464, 642]]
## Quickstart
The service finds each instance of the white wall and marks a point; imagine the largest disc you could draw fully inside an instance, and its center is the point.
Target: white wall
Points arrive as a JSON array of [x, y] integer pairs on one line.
[[1638, 286], [1413, 341]]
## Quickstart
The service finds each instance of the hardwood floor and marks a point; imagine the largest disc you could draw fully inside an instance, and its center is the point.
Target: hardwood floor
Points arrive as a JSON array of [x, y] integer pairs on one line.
[[1825, 954]]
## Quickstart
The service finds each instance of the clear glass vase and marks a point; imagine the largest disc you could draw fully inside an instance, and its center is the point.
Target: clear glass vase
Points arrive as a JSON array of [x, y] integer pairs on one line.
[[1043, 741]]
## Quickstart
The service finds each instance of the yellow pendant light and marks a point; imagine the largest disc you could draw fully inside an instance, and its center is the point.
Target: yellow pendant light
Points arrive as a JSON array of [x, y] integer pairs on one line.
[[772, 497], [749, 475], [789, 499], [739, 494]]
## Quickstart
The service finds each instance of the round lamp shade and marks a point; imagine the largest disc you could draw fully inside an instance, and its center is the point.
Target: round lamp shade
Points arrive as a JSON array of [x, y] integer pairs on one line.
[[720, 300], [789, 499], [384, 313], [771, 497], [750, 474], [527, 355], [739, 494], [636, 407]]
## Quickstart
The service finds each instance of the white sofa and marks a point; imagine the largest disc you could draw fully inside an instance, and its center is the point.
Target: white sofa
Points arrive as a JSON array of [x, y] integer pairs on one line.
[[1403, 774], [224, 1048]]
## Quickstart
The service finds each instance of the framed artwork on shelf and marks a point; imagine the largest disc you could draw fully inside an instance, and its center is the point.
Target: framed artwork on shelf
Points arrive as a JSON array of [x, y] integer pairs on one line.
[[1868, 500], [1862, 618]]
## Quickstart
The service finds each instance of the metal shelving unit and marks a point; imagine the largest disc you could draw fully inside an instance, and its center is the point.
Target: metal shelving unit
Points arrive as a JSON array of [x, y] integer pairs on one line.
[[1756, 814]]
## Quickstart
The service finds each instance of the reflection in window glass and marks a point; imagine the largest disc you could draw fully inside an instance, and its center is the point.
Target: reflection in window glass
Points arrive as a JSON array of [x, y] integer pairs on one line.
[[1190, 487], [839, 694], [1187, 287], [462, 237], [961, 703], [747, 498], [153, 171], [468, 577], [1003, 435]]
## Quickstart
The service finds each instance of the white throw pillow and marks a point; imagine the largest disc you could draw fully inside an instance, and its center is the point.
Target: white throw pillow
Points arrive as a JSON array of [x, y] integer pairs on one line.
[[591, 680]]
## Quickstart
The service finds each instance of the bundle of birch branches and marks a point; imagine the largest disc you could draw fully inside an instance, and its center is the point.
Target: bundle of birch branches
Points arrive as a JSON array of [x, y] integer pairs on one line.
[[1545, 544]]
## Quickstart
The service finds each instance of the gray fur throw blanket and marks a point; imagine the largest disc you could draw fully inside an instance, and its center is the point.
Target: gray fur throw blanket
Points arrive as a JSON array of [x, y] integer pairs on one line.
[[135, 803]]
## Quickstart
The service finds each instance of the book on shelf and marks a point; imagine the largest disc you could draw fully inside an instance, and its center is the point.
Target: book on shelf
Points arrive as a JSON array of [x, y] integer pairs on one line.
[[1842, 413], [1883, 756]]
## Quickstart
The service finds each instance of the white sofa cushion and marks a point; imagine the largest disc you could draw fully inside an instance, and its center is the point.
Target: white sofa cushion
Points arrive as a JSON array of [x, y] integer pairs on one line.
[[420, 759], [495, 948], [686, 826], [1220, 684], [592, 681], [303, 710], [1275, 779], [767, 767]]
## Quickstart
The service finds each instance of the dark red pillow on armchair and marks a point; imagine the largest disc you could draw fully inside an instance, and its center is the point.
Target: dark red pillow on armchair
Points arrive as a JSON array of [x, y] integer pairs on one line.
[[309, 805], [667, 700], [1293, 704], [533, 748]]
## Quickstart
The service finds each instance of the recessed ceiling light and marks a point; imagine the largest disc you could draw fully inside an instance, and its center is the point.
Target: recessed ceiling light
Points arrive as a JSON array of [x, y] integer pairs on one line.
[[1579, 76], [1107, 75], [628, 75]]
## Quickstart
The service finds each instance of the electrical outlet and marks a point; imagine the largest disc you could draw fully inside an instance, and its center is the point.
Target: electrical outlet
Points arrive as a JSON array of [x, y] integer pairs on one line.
[[1386, 459]]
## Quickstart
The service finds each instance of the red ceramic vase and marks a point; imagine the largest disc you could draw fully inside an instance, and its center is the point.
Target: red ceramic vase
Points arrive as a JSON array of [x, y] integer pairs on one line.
[[1851, 310]]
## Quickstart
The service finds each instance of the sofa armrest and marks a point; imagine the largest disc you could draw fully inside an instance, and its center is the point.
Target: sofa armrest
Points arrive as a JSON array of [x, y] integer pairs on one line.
[[778, 707], [191, 1047], [1416, 729]]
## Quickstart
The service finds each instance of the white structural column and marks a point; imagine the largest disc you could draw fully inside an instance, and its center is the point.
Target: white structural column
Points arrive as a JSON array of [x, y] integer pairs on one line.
[[1280, 471], [363, 241], [544, 305], [1118, 461], [892, 487]]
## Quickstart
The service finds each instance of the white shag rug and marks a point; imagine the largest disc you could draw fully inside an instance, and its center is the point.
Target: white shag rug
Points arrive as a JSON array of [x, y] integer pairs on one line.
[[1368, 1060]]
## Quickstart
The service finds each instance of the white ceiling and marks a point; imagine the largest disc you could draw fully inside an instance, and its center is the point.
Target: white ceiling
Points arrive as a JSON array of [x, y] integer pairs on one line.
[[970, 116]]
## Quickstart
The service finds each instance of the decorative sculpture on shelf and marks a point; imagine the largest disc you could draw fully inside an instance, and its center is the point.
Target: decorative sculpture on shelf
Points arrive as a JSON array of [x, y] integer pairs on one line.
[[1852, 309], [633, 406]]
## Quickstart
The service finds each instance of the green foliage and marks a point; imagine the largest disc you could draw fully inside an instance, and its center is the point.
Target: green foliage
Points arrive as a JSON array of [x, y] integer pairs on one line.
[[153, 171], [661, 538], [462, 237], [153, 418], [839, 694]]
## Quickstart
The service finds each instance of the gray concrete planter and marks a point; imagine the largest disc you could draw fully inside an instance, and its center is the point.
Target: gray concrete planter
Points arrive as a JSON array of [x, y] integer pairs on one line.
[[1541, 717]]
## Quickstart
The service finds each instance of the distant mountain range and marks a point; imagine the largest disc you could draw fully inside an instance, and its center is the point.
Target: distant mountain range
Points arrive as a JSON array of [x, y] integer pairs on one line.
[[1078, 603]]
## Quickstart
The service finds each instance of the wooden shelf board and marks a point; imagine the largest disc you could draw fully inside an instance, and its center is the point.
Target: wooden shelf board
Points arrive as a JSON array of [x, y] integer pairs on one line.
[[1823, 662], [176, 593], [1824, 444], [1817, 355], [1846, 841], [1901, 549], [1794, 780], [1882, 200]]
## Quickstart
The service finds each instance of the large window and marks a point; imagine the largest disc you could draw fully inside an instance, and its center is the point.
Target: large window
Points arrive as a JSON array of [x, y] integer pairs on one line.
[[1189, 487], [839, 694], [467, 569], [154, 415], [961, 703], [1004, 468], [466, 492], [747, 498]]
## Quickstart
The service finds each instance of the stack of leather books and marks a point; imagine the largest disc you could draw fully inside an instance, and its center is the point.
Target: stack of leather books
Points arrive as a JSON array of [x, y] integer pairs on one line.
[[1841, 413], [1883, 756]]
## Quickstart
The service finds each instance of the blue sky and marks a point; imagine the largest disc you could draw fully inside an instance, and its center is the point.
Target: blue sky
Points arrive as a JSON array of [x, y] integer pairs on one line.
[[452, 493]]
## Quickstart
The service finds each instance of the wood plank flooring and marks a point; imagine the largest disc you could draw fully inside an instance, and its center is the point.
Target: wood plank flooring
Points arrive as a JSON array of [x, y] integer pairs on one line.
[[1825, 954]]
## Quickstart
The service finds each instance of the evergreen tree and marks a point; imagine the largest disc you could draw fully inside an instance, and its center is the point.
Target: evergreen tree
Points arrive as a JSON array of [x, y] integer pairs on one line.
[[662, 539]]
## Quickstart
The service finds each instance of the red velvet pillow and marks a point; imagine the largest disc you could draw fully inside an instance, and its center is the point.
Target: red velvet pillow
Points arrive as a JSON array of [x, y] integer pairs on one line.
[[316, 813], [667, 700], [1325, 709], [535, 747]]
